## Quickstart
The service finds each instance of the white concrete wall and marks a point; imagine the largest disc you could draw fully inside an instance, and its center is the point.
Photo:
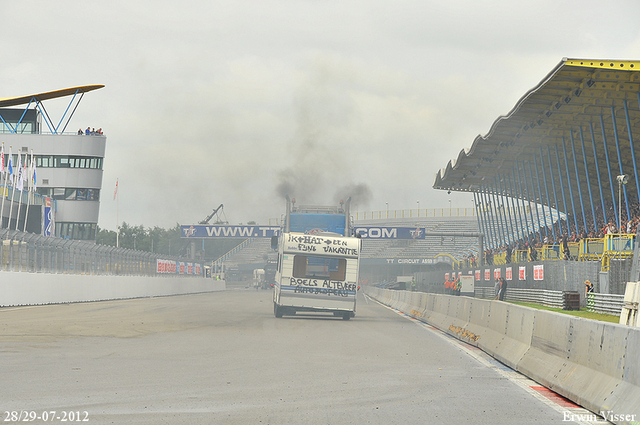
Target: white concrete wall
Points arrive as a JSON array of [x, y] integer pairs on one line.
[[40, 288]]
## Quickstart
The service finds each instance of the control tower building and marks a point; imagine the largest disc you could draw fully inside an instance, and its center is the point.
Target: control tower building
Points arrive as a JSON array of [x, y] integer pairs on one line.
[[69, 165]]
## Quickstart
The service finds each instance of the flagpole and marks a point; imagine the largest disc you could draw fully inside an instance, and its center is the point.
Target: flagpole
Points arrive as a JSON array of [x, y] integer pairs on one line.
[[13, 194], [4, 189], [115, 195], [29, 190], [20, 182]]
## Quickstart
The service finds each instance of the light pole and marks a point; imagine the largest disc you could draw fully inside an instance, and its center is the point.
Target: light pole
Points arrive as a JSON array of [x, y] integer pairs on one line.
[[418, 202], [387, 209], [622, 180]]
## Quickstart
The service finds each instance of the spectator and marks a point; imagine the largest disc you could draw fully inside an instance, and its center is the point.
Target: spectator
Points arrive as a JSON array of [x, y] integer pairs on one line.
[[503, 288]]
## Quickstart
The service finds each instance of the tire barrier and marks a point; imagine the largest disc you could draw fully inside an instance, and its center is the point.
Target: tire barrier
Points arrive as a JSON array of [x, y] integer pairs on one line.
[[595, 364]]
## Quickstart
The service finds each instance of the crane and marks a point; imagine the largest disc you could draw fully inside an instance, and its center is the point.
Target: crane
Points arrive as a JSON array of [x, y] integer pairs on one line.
[[206, 220]]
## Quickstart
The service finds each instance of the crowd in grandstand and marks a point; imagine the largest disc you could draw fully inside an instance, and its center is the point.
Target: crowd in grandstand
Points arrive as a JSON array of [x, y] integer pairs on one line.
[[559, 237]]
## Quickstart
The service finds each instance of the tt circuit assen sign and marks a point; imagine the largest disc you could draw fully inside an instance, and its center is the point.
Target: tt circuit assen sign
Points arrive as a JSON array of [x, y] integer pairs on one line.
[[229, 231]]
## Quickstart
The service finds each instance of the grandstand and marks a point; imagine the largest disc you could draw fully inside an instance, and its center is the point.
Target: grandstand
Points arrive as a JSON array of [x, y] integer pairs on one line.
[[429, 247], [567, 148]]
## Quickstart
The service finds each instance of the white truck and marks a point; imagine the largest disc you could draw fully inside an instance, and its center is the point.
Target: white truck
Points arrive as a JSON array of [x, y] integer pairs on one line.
[[318, 260], [316, 273]]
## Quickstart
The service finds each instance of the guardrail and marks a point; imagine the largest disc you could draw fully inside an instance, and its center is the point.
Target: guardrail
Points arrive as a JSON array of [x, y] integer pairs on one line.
[[537, 296], [605, 303]]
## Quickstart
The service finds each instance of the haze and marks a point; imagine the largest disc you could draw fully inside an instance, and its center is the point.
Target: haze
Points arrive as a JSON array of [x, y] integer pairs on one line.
[[239, 102]]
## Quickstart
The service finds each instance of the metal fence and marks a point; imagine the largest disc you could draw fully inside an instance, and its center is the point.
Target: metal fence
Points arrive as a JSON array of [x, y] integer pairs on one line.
[[28, 252]]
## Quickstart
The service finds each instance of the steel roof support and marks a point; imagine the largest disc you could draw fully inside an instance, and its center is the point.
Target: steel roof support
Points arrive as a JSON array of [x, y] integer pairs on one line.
[[526, 189], [546, 190], [480, 221], [47, 119], [595, 158], [624, 186], [521, 210], [564, 197], [586, 172], [507, 212], [67, 110], [7, 125], [575, 166], [483, 210], [606, 155], [540, 200], [516, 211], [633, 155], [573, 205], [499, 220], [490, 216], [508, 233], [536, 222], [555, 194], [475, 204]]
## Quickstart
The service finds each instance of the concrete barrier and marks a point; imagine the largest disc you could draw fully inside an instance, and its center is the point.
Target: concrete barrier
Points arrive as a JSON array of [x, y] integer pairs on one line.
[[595, 364], [518, 331], [626, 396], [39, 288]]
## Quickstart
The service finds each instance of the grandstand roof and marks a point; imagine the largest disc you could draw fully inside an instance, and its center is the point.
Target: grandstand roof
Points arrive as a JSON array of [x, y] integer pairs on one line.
[[23, 100], [573, 102]]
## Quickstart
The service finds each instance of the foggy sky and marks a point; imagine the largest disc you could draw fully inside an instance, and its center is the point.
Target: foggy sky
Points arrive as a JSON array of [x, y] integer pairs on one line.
[[240, 102]]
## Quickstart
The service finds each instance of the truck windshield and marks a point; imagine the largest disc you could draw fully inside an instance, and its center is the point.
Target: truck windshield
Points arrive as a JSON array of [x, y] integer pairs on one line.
[[310, 267]]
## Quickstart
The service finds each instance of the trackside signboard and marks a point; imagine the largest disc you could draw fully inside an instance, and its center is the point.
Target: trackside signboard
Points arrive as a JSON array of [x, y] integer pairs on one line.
[[177, 267], [225, 231], [229, 231]]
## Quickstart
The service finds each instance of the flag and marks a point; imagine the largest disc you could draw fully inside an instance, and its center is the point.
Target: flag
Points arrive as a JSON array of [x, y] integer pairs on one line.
[[25, 179], [2, 160], [10, 168], [18, 183], [115, 192], [33, 174]]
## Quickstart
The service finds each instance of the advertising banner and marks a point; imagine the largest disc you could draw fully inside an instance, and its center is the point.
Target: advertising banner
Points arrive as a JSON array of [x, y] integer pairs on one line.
[[225, 231], [538, 272]]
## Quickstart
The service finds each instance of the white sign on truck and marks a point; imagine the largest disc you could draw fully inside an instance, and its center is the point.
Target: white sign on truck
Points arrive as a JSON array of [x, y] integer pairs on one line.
[[316, 273]]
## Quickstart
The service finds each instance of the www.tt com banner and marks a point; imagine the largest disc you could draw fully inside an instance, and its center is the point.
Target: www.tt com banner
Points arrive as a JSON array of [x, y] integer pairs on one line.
[[228, 231], [205, 231]]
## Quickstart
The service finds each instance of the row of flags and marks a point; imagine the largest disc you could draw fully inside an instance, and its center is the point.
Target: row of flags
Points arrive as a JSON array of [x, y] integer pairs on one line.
[[20, 175]]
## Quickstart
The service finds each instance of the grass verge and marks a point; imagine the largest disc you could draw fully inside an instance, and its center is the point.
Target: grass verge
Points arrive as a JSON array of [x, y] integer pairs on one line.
[[580, 313]]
